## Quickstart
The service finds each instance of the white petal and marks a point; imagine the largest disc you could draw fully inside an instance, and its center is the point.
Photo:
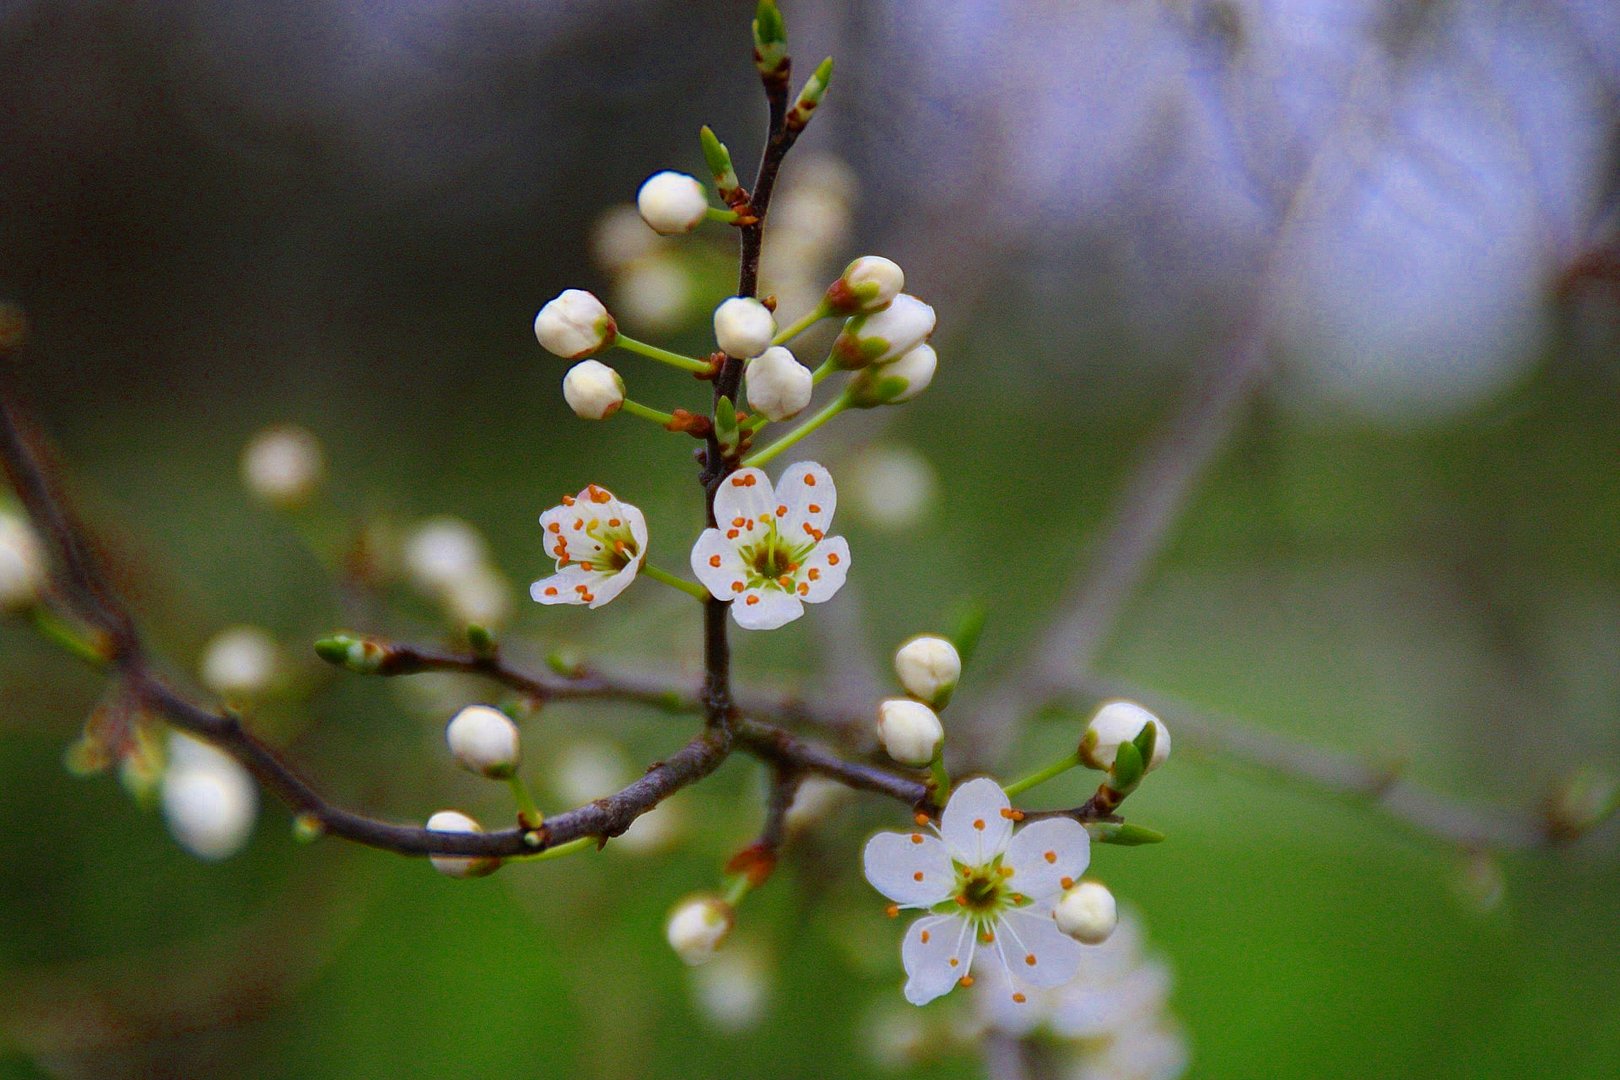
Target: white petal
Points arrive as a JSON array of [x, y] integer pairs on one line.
[[1043, 853], [931, 944], [974, 826], [744, 505], [765, 609], [806, 495], [638, 526], [607, 586], [830, 561], [996, 994], [718, 566], [912, 869], [563, 586], [1038, 952]]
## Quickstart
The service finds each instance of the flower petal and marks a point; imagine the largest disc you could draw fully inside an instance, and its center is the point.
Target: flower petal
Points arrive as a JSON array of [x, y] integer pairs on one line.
[[765, 609], [806, 497], [637, 521], [607, 586], [1038, 952], [823, 571], [933, 956], [718, 566], [912, 869], [744, 506], [563, 586], [1044, 853], [975, 827], [1004, 1001]]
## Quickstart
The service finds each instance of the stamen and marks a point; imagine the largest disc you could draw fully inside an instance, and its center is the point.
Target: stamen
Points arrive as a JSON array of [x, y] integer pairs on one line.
[[568, 500], [967, 980], [587, 567], [955, 962], [916, 837], [925, 937], [587, 597], [714, 561], [739, 522], [599, 495], [551, 590], [918, 876], [1030, 959], [753, 598], [809, 480], [1006, 813], [1050, 856], [732, 534], [555, 527], [832, 558], [978, 823], [1067, 883], [613, 523], [804, 589], [892, 911], [987, 937], [737, 586], [815, 508], [814, 574], [1020, 998], [921, 819]]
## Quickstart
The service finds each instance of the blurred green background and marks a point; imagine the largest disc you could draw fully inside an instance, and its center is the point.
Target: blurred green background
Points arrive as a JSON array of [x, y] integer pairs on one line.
[[346, 218]]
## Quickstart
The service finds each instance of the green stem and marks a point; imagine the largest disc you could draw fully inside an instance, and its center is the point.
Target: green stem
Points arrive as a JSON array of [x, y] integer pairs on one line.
[[811, 317], [636, 408], [1042, 775], [729, 217], [529, 815], [739, 888], [663, 356], [828, 366], [60, 632], [940, 790], [687, 587], [557, 852], [834, 407]]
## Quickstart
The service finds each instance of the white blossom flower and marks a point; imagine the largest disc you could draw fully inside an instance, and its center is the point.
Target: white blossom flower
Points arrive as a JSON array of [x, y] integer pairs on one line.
[[894, 487], [734, 991], [283, 465], [484, 740], [869, 283], [777, 384], [209, 801], [770, 554], [574, 324], [1119, 722], [672, 203], [22, 563], [599, 544], [896, 382], [743, 327], [441, 551], [241, 662], [886, 335], [988, 889], [459, 866], [593, 390]]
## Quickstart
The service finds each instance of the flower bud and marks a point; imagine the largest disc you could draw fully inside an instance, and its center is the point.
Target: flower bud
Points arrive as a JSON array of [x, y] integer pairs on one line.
[[743, 327], [868, 284], [209, 801], [593, 390], [909, 731], [928, 667], [1120, 722], [484, 740], [1087, 913], [459, 866], [886, 335], [698, 926], [895, 382], [442, 550], [239, 663], [283, 465], [672, 203], [22, 563], [574, 324], [778, 385]]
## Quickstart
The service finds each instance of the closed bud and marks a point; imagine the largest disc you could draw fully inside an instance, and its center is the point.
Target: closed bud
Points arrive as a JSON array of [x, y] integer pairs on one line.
[[909, 731], [868, 284], [283, 465], [574, 324], [883, 336], [672, 203], [1121, 722], [743, 327], [22, 563], [359, 655], [1087, 913], [928, 667], [778, 385], [459, 866], [895, 382], [698, 926], [209, 801], [484, 740], [240, 663], [593, 390]]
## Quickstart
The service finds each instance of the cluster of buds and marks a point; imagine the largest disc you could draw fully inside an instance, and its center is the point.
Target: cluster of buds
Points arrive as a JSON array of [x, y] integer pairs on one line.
[[909, 728]]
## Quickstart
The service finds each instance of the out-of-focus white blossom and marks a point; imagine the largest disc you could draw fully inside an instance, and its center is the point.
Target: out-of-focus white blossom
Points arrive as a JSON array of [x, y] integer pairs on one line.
[[733, 991], [698, 926], [743, 327], [672, 203], [891, 486], [22, 562], [242, 662], [620, 239], [589, 769], [815, 798], [482, 597], [442, 550], [283, 465], [652, 832], [593, 390], [209, 801], [574, 324], [457, 866], [777, 385], [655, 293]]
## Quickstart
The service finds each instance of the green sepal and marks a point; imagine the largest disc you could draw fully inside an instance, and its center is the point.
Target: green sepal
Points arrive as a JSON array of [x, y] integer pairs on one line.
[[969, 628], [1127, 770], [725, 424], [719, 159], [565, 662], [1123, 833], [482, 641], [1145, 741]]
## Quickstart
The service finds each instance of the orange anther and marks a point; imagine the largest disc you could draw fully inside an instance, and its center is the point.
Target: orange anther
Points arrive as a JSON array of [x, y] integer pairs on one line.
[[587, 597], [732, 534], [599, 495], [804, 589], [1030, 959], [978, 823], [921, 819], [1067, 883], [809, 480], [587, 567], [551, 590], [781, 511], [714, 561], [1018, 815], [892, 910], [582, 589], [1050, 856], [916, 837], [1020, 998], [832, 558], [954, 961], [925, 937], [614, 523], [739, 522], [967, 980], [752, 599], [1006, 813], [737, 586], [988, 938], [568, 500], [815, 508], [555, 527], [814, 574], [918, 876]]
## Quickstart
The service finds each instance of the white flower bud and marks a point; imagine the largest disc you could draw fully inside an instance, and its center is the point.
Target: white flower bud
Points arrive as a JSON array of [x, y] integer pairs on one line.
[[459, 866], [928, 667], [241, 662], [574, 324], [484, 740], [777, 384], [1087, 913], [672, 203], [442, 550], [1120, 722], [743, 327], [868, 284], [283, 465], [897, 381], [884, 336], [909, 731], [22, 563], [593, 390], [698, 926], [209, 801]]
